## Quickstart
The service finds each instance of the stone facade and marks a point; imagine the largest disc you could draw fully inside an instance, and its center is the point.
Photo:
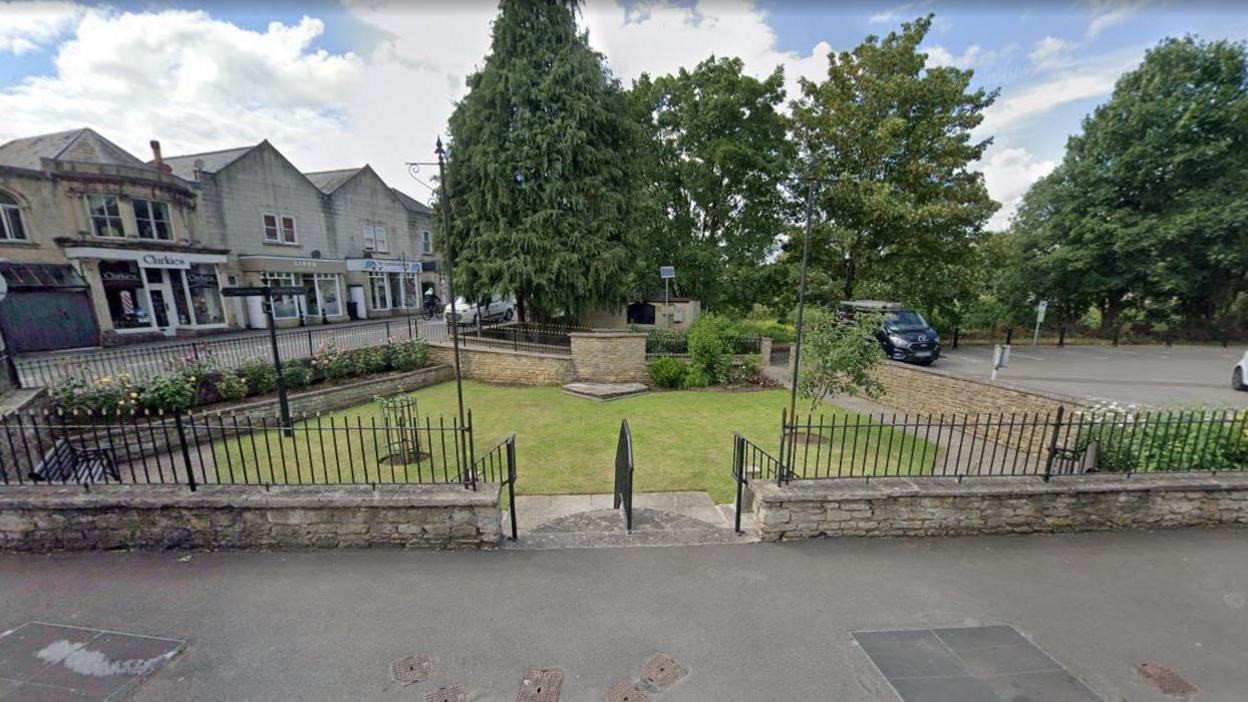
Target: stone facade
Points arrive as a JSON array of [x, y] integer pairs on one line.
[[1022, 505], [609, 357], [246, 517], [505, 367]]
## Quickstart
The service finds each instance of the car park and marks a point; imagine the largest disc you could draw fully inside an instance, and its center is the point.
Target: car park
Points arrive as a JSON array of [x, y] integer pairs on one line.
[[903, 334], [495, 308]]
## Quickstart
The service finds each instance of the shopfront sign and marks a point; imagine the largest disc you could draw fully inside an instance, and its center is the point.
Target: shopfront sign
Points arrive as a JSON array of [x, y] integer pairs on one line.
[[163, 260], [378, 265]]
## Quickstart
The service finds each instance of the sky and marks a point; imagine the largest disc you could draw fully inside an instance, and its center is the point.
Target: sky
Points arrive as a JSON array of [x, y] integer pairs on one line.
[[339, 84]]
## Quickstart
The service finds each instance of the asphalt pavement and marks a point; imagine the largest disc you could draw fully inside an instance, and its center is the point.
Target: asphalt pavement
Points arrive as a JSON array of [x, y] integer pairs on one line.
[[750, 622], [1142, 375]]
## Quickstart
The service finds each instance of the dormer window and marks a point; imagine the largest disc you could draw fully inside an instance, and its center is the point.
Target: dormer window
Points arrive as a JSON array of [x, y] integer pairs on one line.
[[105, 216], [11, 228]]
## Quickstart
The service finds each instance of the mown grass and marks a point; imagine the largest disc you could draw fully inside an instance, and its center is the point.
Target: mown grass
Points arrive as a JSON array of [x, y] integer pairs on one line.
[[564, 445]]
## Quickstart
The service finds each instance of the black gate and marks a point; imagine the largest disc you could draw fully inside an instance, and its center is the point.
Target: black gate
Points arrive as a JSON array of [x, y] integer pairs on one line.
[[624, 474]]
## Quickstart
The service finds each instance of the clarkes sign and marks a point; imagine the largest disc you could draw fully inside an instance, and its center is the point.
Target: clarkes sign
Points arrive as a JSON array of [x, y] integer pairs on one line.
[[153, 260]]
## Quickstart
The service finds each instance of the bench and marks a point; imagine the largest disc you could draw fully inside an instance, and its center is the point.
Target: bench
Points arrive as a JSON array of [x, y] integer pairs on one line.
[[1069, 461], [64, 462]]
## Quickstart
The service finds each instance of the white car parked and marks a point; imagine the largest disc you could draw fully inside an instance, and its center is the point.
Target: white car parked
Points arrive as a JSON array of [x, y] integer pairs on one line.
[[497, 307], [1240, 373]]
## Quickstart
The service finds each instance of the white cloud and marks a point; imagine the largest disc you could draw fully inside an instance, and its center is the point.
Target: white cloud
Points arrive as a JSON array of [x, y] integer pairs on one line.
[[906, 11], [28, 26], [1008, 173], [190, 80], [939, 57], [1025, 105], [1108, 13], [1051, 52]]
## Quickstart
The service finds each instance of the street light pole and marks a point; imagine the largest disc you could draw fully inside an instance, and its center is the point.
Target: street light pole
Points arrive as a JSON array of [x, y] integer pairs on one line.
[[282, 402], [801, 301], [450, 276]]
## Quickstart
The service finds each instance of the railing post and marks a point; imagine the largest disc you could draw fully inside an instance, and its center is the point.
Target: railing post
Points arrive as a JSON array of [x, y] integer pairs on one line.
[[955, 338], [1061, 335], [511, 483], [186, 450], [738, 467], [1057, 429], [387, 330], [311, 350]]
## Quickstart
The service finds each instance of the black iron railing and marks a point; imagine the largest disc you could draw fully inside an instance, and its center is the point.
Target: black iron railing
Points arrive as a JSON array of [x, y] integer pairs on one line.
[[1008, 444], [530, 337], [662, 342], [498, 465], [624, 474], [153, 449]]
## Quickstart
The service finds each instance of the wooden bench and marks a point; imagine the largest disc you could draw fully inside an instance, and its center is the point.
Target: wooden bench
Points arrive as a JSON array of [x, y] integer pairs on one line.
[[1069, 461], [65, 462]]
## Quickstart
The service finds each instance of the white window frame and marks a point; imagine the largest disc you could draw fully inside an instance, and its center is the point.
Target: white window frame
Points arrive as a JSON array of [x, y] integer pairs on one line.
[[91, 216], [426, 241], [274, 278], [375, 238], [317, 278], [279, 231], [152, 220], [9, 213], [385, 281]]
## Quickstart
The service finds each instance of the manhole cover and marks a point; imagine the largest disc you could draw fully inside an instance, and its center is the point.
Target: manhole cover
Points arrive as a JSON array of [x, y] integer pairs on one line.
[[1166, 680], [626, 692], [450, 693], [410, 669], [540, 686], [661, 672]]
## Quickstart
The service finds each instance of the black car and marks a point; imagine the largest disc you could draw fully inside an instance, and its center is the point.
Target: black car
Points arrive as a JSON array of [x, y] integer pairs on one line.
[[904, 334]]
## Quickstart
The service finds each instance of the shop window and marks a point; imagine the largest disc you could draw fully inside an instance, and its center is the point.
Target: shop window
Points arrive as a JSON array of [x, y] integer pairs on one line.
[[411, 291], [395, 283], [11, 228], [152, 219], [105, 216], [123, 289], [284, 306], [379, 291], [330, 303], [205, 295]]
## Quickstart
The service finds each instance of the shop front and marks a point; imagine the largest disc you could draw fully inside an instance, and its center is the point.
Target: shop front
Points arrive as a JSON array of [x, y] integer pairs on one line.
[[324, 298], [391, 286], [139, 293]]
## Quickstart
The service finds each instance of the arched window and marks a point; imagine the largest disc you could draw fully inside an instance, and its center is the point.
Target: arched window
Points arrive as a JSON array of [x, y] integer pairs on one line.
[[11, 219]]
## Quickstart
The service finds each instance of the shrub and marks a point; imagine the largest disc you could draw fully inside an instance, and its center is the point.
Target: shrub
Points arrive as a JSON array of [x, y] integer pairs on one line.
[[369, 360], [332, 362], [259, 375], [777, 332], [408, 355], [103, 395], [1184, 440], [746, 371], [838, 358], [170, 392], [668, 372], [296, 375], [708, 348], [695, 378], [231, 387]]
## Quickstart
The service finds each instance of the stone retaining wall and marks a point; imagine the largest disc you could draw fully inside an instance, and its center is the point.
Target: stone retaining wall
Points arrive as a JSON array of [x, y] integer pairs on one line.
[[248, 517], [330, 398], [945, 507], [609, 357], [505, 366]]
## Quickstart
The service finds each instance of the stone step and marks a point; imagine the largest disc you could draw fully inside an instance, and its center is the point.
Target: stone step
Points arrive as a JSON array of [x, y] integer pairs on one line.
[[605, 391]]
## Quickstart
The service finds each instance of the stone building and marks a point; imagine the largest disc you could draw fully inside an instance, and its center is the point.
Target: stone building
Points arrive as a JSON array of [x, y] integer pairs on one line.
[[99, 247], [360, 248]]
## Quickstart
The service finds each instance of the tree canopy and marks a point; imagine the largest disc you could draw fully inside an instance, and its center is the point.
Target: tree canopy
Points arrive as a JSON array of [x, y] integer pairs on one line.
[[1147, 215], [714, 173], [898, 207], [540, 177]]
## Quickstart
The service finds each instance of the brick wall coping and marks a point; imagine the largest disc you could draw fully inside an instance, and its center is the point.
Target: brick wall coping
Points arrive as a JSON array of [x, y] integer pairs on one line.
[[244, 496], [1056, 397], [468, 346], [1020, 486], [608, 334]]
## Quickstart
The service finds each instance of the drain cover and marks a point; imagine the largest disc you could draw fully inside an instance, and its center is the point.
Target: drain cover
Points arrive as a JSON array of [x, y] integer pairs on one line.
[[410, 669], [540, 686], [626, 692], [661, 672], [450, 693], [1166, 680]]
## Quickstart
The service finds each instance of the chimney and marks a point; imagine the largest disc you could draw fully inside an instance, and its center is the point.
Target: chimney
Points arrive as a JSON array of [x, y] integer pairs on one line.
[[157, 159]]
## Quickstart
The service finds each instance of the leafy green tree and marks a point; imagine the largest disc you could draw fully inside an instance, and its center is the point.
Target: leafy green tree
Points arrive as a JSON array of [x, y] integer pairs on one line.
[[899, 207], [1147, 216], [540, 176], [714, 174], [837, 357]]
